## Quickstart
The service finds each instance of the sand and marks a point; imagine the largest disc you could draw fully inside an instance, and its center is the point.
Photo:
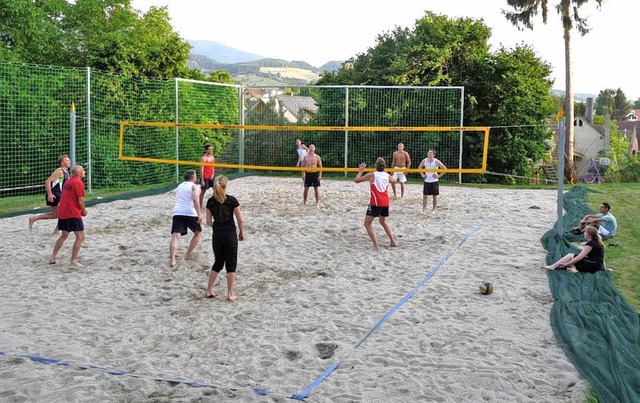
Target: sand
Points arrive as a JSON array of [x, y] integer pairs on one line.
[[311, 293]]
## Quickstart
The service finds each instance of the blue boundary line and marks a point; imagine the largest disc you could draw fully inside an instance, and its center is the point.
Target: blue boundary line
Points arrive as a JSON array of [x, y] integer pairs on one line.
[[302, 395], [195, 384], [264, 392]]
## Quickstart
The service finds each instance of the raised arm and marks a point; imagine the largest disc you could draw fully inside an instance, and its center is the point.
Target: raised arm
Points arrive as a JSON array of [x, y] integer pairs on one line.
[[363, 178]]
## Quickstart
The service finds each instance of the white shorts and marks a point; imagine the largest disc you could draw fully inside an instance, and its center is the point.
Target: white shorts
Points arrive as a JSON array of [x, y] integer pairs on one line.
[[603, 231], [399, 176]]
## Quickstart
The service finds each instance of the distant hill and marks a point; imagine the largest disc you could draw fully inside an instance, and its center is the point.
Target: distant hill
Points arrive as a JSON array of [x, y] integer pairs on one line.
[[582, 97], [252, 69], [222, 53]]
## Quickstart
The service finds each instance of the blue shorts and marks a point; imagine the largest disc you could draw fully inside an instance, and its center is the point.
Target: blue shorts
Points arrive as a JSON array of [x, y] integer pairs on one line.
[[182, 222], [377, 211], [70, 224]]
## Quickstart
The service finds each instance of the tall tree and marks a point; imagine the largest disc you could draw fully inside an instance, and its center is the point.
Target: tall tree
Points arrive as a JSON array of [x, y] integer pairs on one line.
[[508, 88], [522, 16], [613, 103]]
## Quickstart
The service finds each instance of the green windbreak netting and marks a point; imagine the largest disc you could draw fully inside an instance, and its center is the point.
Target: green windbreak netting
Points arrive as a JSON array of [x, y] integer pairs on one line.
[[597, 329]]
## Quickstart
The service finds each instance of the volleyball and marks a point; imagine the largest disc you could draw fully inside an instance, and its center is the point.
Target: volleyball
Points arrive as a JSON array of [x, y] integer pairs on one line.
[[348, 66], [486, 287]]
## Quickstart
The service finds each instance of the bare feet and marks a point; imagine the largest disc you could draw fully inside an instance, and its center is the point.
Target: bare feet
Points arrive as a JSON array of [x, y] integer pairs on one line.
[[376, 246], [52, 261], [32, 219], [393, 243], [210, 295], [548, 267], [231, 297], [173, 263], [188, 257], [572, 270], [76, 265]]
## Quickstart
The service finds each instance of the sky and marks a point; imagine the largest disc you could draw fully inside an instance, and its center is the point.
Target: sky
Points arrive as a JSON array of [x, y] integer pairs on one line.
[[326, 30]]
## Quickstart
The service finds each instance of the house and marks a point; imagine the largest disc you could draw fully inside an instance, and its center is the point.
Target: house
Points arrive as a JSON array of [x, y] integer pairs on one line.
[[630, 129], [633, 116], [297, 109], [589, 141]]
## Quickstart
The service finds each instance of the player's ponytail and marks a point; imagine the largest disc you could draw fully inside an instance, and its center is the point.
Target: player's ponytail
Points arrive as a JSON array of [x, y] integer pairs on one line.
[[220, 188]]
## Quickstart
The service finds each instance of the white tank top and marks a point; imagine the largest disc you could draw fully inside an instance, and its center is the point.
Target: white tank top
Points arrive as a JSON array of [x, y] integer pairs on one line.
[[430, 165], [184, 200]]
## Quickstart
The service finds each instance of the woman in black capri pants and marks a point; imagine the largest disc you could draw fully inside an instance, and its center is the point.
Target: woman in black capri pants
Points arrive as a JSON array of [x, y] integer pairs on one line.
[[221, 208]]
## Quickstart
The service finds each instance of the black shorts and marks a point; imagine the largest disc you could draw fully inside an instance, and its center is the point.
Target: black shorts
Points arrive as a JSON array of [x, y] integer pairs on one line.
[[431, 189], [208, 183], [377, 211], [587, 267], [56, 199], [311, 179], [182, 222], [70, 224]]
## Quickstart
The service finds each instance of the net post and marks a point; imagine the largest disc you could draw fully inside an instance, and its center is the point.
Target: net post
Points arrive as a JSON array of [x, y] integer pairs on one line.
[[72, 134], [88, 129], [560, 150], [177, 132], [461, 133], [241, 121], [346, 132]]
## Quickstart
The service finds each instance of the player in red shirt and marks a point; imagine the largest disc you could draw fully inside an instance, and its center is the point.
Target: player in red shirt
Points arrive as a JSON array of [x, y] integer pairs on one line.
[[379, 201], [207, 172], [70, 212]]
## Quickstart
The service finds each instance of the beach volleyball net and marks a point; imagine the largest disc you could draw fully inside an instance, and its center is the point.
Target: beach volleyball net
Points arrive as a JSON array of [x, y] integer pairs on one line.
[[273, 148], [38, 126]]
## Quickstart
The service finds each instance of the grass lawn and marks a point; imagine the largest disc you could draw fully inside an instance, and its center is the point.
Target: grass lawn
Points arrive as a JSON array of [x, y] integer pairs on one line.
[[623, 259]]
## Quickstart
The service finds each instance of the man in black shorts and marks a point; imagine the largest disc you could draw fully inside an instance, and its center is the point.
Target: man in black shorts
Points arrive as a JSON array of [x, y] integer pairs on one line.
[[312, 177]]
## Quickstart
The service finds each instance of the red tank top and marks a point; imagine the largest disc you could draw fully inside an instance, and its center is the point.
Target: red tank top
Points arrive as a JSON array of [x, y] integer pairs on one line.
[[379, 193], [208, 171]]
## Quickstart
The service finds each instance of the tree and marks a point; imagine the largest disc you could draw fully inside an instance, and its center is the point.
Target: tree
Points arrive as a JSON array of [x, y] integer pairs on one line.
[[108, 35], [613, 103], [508, 88], [522, 16]]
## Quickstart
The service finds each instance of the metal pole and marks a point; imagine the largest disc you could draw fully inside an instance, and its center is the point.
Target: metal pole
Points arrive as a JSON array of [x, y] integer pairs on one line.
[[346, 132], [241, 122], [560, 151], [177, 135], [72, 135], [461, 133], [89, 129]]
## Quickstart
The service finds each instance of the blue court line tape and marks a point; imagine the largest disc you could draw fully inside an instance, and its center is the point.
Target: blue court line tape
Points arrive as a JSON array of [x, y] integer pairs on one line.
[[302, 395], [195, 384]]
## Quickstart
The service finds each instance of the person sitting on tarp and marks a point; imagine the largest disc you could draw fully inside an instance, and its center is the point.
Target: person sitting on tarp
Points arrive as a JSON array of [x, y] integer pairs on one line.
[[589, 260], [604, 221]]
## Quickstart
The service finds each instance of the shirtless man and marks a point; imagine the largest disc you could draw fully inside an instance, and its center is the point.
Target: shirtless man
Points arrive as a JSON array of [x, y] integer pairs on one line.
[[401, 159], [312, 177]]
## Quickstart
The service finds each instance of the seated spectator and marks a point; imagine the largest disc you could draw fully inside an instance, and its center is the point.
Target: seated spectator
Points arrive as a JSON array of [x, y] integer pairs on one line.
[[604, 221], [589, 260]]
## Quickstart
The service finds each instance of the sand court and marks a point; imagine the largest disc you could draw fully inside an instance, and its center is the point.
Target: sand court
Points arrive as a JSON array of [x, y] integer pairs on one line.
[[309, 288]]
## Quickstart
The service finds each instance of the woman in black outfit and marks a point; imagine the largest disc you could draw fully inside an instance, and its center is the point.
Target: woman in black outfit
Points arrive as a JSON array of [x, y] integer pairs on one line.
[[220, 211], [590, 259]]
